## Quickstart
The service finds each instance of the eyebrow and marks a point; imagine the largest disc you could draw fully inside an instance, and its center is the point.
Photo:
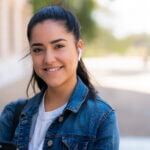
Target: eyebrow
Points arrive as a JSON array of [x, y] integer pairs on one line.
[[36, 44], [52, 42], [58, 40]]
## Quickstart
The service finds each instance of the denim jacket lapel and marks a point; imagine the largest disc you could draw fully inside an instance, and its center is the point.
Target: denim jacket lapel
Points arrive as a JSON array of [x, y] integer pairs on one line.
[[78, 96]]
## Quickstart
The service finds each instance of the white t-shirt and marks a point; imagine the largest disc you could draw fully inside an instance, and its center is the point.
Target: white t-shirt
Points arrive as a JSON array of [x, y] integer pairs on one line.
[[43, 122]]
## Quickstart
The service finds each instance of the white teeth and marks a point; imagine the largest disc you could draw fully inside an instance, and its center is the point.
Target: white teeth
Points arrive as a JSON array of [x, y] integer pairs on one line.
[[54, 69]]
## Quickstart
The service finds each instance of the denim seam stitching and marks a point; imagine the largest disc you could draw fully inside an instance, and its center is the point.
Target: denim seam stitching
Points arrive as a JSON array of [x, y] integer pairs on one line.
[[106, 115]]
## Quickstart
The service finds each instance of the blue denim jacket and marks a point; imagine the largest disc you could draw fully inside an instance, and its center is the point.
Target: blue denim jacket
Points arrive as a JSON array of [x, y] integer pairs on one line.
[[85, 124]]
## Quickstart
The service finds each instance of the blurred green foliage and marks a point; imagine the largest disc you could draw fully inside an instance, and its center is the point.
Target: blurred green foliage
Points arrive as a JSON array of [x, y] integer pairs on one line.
[[105, 43], [100, 40]]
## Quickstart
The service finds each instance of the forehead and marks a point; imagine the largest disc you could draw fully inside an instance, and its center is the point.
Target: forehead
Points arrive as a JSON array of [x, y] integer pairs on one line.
[[50, 29], [50, 23]]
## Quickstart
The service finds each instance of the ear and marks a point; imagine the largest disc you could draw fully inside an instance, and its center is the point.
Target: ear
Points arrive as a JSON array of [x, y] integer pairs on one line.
[[80, 45]]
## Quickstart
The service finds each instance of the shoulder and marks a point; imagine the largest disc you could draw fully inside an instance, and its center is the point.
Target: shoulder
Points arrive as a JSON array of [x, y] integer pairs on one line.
[[9, 110], [99, 114], [12, 105], [22, 102], [98, 108], [104, 123], [7, 118], [99, 104]]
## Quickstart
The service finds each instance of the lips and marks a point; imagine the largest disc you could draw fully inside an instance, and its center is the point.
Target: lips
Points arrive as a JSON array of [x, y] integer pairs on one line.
[[52, 69]]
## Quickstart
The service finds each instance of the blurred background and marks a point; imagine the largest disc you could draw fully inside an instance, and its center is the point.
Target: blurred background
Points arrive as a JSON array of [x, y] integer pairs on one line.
[[116, 36]]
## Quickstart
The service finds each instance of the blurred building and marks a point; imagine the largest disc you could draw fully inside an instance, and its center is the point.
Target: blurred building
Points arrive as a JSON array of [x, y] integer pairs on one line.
[[14, 15]]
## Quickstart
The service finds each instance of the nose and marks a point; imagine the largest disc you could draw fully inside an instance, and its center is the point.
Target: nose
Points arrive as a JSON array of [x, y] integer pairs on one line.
[[49, 57]]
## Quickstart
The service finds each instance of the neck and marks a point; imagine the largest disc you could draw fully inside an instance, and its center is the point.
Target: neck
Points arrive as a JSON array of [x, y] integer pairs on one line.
[[56, 97]]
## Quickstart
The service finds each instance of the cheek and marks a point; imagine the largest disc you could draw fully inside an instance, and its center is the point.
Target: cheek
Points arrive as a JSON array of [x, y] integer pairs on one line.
[[72, 61], [36, 61]]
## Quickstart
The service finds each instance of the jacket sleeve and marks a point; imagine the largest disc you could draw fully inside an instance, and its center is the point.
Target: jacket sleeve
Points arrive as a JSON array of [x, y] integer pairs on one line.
[[107, 133], [6, 122]]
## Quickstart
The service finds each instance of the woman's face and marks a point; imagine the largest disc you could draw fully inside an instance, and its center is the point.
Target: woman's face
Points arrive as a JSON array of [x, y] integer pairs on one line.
[[54, 53]]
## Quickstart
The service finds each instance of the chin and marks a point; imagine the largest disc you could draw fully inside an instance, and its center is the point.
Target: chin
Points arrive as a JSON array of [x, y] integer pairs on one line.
[[54, 84]]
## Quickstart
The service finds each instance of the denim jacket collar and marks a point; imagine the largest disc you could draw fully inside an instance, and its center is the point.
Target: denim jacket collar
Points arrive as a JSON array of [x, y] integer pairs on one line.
[[77, 98]]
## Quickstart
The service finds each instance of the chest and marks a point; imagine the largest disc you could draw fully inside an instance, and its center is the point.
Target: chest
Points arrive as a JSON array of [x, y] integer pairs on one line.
[[66, 132]]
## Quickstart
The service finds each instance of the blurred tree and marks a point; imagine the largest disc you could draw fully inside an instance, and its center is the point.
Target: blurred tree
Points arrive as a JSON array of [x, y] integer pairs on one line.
[[83, 10]]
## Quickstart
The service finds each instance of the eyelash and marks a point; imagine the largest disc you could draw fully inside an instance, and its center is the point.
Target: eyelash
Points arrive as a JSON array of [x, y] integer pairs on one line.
[[35, 50], [59, 46]]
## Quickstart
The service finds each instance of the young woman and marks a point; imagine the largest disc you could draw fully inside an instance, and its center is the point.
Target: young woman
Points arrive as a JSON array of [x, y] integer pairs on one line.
[[67, 114]]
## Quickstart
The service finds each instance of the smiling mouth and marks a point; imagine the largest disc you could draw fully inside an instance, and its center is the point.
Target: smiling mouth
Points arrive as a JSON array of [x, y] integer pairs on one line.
[[52, 69]]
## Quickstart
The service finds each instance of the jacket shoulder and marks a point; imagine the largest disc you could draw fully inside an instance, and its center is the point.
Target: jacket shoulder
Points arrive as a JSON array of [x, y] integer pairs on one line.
[[99, 105], [7, 118], [12, 105], [98, 109]]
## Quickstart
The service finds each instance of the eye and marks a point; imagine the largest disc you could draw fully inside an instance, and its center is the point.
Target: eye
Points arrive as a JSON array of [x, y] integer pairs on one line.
[[37, 50], [59, 46]]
